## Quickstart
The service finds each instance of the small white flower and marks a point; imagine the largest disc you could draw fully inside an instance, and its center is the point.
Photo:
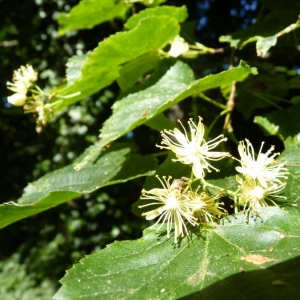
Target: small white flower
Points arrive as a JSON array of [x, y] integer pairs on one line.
[[17, 99], [36, 105], [178, 46], [254, 195], [194, 151], [171, 207], [18, 87], [22, 80], [263, 168], [25, 74]]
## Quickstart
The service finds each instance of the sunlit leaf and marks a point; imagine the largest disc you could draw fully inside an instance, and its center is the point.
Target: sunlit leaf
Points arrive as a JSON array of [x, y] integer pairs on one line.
[[291, 155], [74, 66], [178, 13], [205, 266], [171, 83], [89, 13], [267, 127], [103, 65]]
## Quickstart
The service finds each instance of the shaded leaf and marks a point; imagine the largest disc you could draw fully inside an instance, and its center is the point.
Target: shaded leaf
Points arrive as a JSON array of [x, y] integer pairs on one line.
[[295, 82], [134, 69], [160, 122], [266, 32], [115, 164], [261, 91], [284, 123]]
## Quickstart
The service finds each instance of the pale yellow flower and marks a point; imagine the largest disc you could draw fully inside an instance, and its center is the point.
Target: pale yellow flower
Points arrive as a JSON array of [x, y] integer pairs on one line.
[[19, 87], [195, 150], [36, 105], [254, 195], [264, 168], [17, 99], [204, 206], [22, 80], [171, 208], [25, 74]]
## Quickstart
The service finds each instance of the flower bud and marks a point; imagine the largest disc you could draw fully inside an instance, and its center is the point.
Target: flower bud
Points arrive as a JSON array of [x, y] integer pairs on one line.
[[17, 99], [178, 46]]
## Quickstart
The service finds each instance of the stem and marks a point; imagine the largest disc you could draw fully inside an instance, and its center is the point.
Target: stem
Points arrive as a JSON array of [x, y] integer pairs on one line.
[[161, 153], [230, 104], [205, 50], [274, 97], [268, 101], [222, 190], [213, 102], [222, 113], [53, 104]]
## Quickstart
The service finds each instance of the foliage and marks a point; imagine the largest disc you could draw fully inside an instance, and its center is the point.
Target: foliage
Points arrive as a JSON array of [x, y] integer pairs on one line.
[[134, 82]]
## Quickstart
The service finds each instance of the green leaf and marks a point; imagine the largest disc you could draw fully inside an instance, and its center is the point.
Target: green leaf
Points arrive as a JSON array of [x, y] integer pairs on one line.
[[136, 68], [263, 44], [103, 65], [171, 83], [74, 65], [273, 25], [89, 13], [261, 91], [205, 266], [291, 155], [160, 122], [115, 164], [285, 122], [267, 127], [294, 83], [178, 13]]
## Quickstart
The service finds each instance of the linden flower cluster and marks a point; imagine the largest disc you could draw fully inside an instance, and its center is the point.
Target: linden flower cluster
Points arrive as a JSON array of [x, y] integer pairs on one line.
[[23, 82], [179, 206], [23, 78], [262, 177], [176, 205]]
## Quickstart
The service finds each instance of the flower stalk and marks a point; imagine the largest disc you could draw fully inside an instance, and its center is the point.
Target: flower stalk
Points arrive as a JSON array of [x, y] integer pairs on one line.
[[31, 97]]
